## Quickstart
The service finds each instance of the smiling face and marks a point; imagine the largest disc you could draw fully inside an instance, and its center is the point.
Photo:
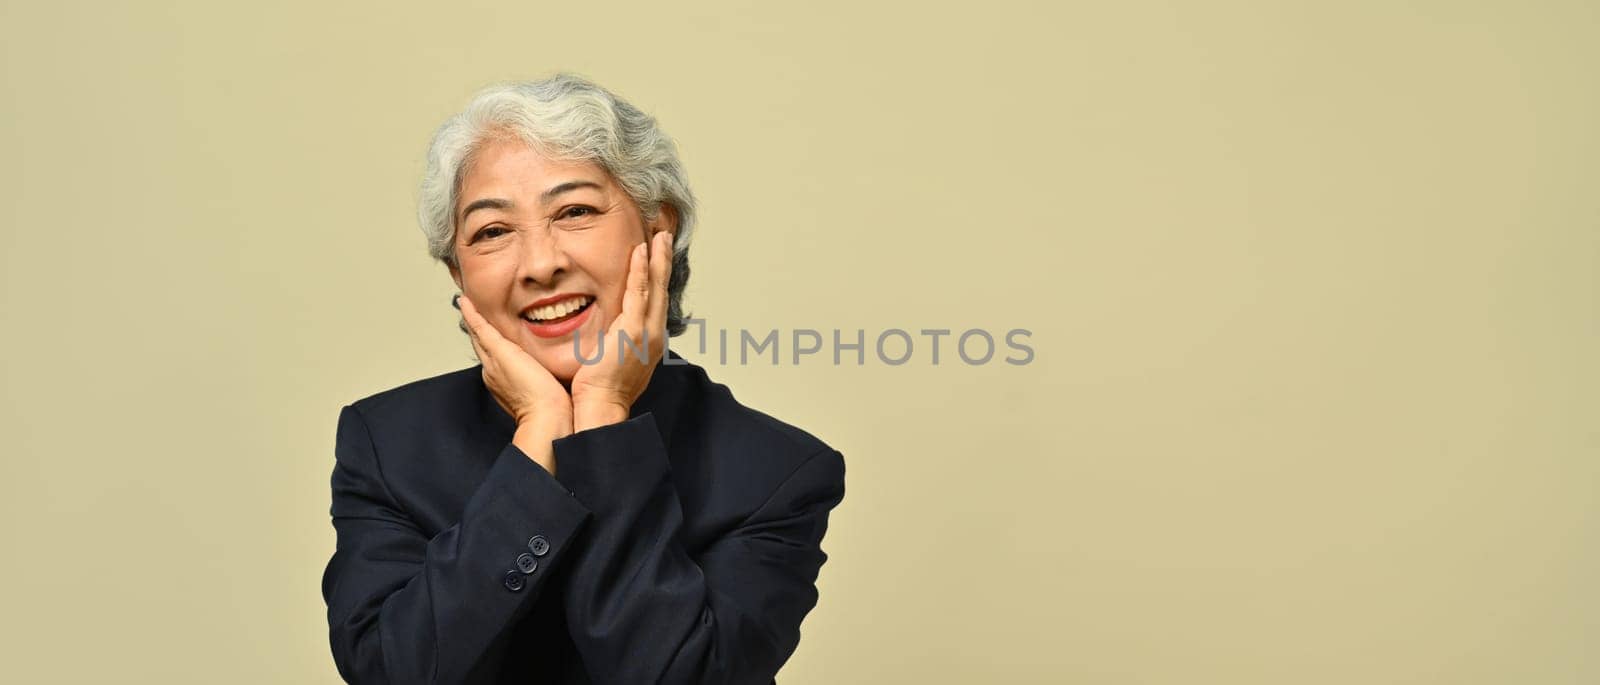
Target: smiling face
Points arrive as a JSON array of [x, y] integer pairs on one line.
[[538, 238]]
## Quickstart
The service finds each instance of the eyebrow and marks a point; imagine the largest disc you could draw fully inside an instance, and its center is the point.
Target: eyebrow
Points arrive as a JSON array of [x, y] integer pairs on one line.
[[546, 196]]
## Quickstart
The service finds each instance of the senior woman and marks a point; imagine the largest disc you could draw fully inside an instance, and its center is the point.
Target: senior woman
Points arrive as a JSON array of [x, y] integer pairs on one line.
[[583, 505]]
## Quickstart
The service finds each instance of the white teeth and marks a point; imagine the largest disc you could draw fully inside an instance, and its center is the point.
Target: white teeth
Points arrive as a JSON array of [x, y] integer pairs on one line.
[[557, 310]]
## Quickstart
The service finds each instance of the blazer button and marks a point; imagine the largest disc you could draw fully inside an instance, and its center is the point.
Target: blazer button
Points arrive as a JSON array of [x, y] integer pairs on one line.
[[538, 545], [526, 563], [514, 581]]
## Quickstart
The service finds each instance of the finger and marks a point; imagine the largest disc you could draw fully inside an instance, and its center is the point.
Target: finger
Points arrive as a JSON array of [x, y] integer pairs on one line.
[[472, 335], [477, 349], [483, 333], [660, 270], [469, 314], [636, 298]]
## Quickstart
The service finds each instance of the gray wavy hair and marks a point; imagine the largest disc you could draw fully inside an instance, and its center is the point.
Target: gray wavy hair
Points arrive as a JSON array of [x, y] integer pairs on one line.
[[569, 118]]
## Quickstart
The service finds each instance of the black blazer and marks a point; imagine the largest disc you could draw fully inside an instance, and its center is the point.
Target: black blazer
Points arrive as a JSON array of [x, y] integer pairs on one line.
[[679, 546]]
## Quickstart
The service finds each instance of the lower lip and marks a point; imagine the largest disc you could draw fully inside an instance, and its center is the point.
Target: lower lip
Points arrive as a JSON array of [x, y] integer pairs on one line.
[[556, 330]]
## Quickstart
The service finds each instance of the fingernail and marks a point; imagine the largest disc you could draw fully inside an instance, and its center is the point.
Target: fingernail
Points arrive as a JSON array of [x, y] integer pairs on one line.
[[455, 300]]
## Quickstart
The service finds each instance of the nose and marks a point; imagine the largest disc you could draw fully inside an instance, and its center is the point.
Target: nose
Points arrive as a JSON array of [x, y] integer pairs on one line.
[[543, 259]]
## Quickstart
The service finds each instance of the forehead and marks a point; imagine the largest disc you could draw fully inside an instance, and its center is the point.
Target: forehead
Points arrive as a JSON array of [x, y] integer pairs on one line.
[[507, 168]]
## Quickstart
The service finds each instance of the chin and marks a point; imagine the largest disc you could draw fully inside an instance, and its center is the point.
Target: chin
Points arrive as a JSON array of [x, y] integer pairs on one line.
[[565, 375], [563, 367]]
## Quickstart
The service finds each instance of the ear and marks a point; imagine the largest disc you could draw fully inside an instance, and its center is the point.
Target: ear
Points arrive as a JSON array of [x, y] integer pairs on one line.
[[455, 273], [666, 220]]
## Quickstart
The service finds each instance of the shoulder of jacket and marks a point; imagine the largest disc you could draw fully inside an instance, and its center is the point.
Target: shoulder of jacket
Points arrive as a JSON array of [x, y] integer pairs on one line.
[[745, 422], [449, 388]]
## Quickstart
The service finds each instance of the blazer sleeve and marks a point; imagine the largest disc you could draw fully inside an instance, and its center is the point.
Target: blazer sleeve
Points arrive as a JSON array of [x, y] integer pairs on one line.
[[641, 609], [404, 607]]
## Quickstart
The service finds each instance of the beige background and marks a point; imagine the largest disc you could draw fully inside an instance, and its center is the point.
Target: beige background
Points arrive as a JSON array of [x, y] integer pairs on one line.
[[1312, 290]]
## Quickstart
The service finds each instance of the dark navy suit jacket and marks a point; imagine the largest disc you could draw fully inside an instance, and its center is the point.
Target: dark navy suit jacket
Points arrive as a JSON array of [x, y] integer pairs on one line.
[[679, 546]]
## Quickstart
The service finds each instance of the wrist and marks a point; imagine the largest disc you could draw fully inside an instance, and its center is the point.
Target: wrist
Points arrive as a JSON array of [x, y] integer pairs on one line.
[[597, 413], [536, 439], [549, 415], [542, 431], [546, 425]]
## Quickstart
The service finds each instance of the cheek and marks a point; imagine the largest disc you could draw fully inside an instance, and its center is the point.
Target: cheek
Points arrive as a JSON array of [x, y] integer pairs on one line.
[[609, 269], [485, 273], [617, 282]]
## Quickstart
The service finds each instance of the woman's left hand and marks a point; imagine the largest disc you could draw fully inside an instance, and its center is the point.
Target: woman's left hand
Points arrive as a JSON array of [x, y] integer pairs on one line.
[[604, 392]]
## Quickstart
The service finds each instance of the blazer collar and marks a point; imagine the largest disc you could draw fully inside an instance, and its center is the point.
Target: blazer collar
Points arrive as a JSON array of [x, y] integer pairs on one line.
[[663, 397], [666, 394]]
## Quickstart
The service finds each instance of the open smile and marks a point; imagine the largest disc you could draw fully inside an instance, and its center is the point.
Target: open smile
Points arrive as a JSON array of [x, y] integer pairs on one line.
[[558, 319]]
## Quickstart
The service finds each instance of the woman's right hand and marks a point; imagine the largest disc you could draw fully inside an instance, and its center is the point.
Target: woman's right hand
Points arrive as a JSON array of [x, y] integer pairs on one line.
[[523, 388]]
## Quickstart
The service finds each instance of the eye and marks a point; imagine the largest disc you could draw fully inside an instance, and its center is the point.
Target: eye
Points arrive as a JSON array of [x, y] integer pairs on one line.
[[577, 211], [489, 232]]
